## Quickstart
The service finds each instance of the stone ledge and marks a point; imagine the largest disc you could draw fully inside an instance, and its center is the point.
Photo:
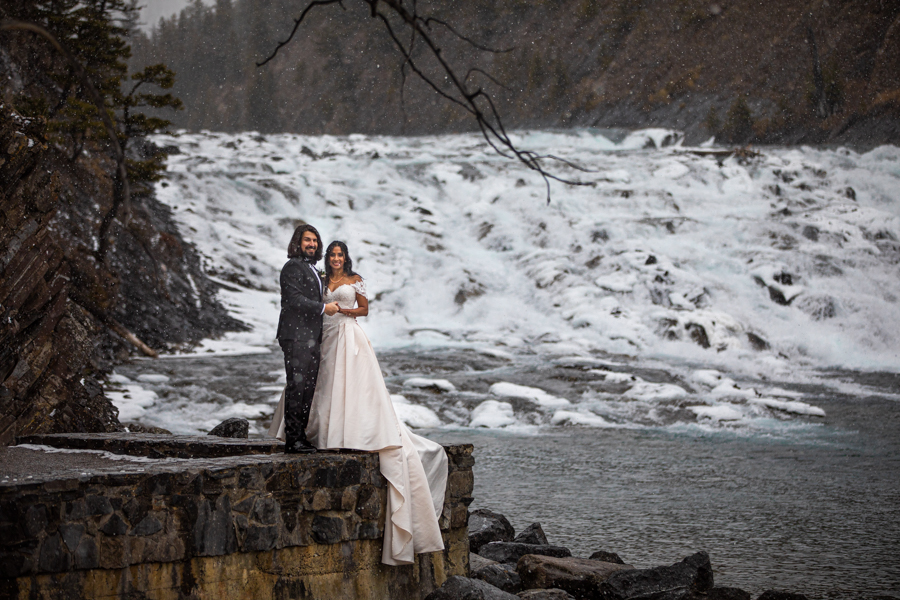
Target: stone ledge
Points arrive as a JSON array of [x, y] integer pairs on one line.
[[173, 510], [154, 445]]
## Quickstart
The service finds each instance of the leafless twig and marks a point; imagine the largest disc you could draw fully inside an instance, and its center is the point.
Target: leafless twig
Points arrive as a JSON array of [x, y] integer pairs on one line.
[[474, 101]]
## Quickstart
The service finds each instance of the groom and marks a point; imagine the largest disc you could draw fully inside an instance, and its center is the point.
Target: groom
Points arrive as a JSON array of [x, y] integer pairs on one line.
[[300, 333]]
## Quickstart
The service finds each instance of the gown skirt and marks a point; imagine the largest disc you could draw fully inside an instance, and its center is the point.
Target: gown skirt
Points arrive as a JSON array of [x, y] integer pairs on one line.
[[352, 409]]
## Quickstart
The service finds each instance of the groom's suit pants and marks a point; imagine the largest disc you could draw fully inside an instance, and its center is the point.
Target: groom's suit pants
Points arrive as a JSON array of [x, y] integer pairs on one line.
[[301, 364]]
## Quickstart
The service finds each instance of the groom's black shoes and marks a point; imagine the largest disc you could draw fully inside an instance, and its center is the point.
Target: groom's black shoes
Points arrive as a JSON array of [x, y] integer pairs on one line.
[[299, 447]]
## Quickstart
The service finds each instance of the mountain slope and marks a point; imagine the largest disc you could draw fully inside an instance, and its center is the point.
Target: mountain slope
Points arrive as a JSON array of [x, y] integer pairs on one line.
[[684, 64]]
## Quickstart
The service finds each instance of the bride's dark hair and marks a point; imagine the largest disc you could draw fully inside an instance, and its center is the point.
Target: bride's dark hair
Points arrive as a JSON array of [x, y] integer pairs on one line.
[[348, 262]]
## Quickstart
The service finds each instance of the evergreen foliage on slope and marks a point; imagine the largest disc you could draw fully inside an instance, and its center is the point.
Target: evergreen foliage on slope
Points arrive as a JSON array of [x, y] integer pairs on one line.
[[606, 63], [65, 314]]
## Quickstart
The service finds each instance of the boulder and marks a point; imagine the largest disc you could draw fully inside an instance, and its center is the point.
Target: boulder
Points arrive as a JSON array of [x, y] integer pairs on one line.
[[463, 588], [581, 577], [511, 552], [232, 428], [681, 581], [605, 556], [476, 562], [533, 534], [500, 576], [780, 595], [553, 594], [487, 526], [727, 593]]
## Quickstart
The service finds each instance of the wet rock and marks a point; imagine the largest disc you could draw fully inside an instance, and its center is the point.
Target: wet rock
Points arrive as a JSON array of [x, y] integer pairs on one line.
[[533, 534], [777, 296], [214, 529], [53, 557], [462, 588], [780, 595], [114, 526], [147, 526], [477, 562], [610, 557], [98, 505], [511, 552], [758, 343], [326, 530], [581, 577], [487, 526], [232, 428], [680, 581], [811, 232], [71, 534], [698, 334], [500, 576], [87, 555], [553, 594], [727, 593], [818, 307]]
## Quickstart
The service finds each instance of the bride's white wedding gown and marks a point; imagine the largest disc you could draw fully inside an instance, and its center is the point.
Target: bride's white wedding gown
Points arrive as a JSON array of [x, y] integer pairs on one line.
[[352, 409]]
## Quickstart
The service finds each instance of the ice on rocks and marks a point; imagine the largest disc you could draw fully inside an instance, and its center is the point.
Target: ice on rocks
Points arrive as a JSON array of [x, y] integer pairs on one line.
[[655, 392], [438, 384], [720, 412], [493, 414], [415, 415], [511, 390]]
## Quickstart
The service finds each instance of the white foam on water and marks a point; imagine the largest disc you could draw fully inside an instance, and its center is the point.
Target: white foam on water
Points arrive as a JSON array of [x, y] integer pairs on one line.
[[153, 378], [723, 270], [132, 401]]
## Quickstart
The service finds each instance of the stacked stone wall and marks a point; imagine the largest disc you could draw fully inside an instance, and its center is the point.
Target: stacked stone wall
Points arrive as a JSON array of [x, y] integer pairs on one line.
[[251, 526]]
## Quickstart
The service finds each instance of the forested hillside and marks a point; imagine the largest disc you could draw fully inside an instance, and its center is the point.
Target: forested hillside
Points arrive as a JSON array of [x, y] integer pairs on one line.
[[747, 71]]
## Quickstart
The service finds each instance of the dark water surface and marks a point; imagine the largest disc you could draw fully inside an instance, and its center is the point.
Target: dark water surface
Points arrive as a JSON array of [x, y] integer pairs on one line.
[[813, 507]]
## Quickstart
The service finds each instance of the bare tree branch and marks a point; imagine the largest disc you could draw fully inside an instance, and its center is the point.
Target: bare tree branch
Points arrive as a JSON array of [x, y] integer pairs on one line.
[[428, 21], [486, 74], [297, 23], [474, 101]]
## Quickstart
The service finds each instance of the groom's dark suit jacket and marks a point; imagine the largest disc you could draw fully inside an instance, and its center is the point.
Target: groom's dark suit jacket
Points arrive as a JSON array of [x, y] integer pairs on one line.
[[301, 303]]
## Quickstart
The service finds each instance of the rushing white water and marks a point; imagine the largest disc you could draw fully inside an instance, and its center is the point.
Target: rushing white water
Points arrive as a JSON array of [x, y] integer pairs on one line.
[[713, 268]]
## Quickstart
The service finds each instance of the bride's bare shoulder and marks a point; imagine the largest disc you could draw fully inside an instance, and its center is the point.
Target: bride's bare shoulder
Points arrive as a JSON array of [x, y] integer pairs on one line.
[[356, 278]]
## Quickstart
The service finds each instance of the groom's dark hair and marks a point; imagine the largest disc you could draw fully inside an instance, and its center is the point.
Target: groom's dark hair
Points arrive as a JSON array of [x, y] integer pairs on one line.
[[294, 247]]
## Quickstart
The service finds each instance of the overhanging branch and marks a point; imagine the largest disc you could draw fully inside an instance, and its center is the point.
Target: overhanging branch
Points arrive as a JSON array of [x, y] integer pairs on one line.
[[474, 101]]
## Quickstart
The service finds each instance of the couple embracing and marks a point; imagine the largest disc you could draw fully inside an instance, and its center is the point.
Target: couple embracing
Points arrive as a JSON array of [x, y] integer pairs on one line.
[[336, 396]]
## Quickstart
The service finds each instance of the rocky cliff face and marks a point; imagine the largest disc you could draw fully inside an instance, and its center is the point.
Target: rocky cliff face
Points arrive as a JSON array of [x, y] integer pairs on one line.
[[46, 339], [65, 318]]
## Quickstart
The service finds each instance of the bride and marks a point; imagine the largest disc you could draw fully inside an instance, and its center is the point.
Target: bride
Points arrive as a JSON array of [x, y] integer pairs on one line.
[[352, 409]]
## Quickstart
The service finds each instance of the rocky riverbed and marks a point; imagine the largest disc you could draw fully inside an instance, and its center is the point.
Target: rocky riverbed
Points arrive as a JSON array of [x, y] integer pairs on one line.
[[506, 566]]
